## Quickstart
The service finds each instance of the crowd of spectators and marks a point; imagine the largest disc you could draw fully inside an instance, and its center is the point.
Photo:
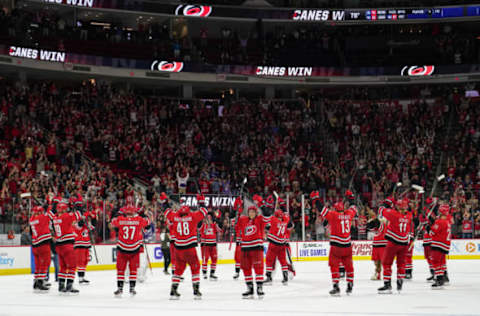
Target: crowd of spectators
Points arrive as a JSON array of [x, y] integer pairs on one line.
[[255, 43], [462, 170], [93, 139]]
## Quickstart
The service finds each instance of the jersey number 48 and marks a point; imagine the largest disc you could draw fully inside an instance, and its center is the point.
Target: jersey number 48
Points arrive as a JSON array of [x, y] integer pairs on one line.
[[183, 229]]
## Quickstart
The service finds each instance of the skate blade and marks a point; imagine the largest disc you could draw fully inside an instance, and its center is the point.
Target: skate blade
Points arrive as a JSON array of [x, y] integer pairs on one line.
[[83, 284], [267, 284], [197, 298], [40, 291], [213, 280], [385, 292], [285, 283], [248, 297], [117, 295], [335, 295], [174, 298], [260, 297], [437, 288]]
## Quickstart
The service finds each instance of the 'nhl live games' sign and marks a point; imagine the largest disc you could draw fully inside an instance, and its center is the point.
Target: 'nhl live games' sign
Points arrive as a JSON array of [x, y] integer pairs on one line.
[[215, 201]]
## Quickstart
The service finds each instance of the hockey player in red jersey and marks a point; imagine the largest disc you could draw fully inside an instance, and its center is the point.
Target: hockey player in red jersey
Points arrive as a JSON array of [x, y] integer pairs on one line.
[[251, 228], [378, 244], [398, 238], [129, 228], [340, 221], [276, 246], [409, 255], [208, 238], [238, 248], [63, 226], [288, 252], [440, 246], [82, 247], [41, 239], [427, 239], [168, 209], [185, 223]]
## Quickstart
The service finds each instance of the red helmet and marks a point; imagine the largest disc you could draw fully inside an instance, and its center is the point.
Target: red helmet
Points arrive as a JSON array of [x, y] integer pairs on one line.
[[37, 210], [130, 209], [62, 207], [444, 210], [270, 201], [429, 200], [402, 204], [252, 207], [184, 210], [257, 198], [390, 201], [349, 195], [278, 213], [339, 206]]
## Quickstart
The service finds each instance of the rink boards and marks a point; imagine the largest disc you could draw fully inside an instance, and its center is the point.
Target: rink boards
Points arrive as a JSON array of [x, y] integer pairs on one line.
[[19, 260]]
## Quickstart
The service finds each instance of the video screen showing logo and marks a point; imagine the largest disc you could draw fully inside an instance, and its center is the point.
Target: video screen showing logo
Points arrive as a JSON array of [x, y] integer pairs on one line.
[[418, 70], [193, 10], [161, 65]]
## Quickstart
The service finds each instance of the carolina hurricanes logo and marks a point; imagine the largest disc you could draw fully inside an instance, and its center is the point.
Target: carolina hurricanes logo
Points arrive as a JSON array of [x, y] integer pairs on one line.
[[250, 230], [173, 66], [418, 70], [193, 10]]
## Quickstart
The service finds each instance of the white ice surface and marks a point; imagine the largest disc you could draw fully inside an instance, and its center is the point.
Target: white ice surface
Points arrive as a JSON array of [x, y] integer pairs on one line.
[[307, 294]]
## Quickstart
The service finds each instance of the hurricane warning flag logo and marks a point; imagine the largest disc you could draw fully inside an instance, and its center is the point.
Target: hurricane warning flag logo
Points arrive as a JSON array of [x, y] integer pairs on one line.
[[250, 230], [193, 10], [418, 70], [173, 66]]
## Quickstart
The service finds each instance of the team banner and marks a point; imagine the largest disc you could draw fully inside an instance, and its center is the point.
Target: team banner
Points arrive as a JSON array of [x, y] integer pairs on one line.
[[167, 66], [214, 201], [39, 54], [296, 14]]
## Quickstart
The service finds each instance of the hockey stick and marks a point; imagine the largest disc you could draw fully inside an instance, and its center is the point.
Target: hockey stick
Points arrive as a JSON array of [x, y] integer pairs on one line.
[[399, 184], [148, 257], [243, 184], [439, 179], [93, 243], [276, 201], [235, 220], [415, 187]]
